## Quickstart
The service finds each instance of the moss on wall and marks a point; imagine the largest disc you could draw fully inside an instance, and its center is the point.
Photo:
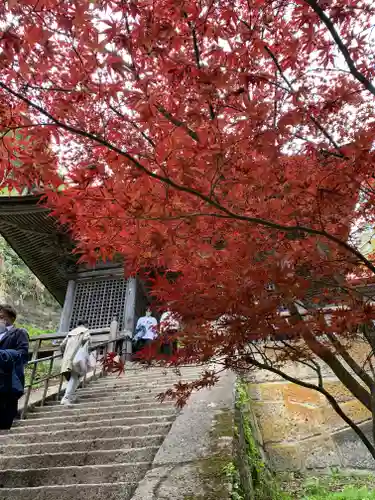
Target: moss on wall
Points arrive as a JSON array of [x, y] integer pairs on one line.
[[257, 482]]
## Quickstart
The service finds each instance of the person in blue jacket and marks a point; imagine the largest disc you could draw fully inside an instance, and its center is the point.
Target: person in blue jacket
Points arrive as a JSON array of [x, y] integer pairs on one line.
[[14, 348]]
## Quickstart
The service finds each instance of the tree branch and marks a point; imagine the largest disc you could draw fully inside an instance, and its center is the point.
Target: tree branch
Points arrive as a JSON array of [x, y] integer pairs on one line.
[[338, 369], [206, 198], [342, 47], [332, 401], [120, 115], [360, 372], [311, 117], [178, 123]]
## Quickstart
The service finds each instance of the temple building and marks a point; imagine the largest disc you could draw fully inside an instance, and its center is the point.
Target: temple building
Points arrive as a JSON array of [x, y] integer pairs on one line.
[[97, 294]]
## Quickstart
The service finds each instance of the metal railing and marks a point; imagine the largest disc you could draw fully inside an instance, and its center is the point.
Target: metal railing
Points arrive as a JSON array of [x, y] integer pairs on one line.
[[51, 367]]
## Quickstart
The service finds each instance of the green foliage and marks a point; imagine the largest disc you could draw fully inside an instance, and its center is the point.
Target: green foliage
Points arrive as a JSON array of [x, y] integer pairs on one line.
[[42, 371], [232, 474], [33, 331], [336, 486], [16, 279], [349, 493]]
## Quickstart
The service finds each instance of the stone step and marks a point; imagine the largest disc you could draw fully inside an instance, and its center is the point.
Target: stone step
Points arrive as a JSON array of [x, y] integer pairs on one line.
[[142, 383], [87, 474], [86, 416], [119, 391], [140, 369], [94, 444], [124, 397], [67, 424], [106, 491], [45, 411], [82, 458], [85, 433], [114, 398]]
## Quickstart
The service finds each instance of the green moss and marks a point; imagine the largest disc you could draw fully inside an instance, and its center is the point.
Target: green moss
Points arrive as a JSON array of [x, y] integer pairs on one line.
[[215, 472], [223, 427], [264, 483]]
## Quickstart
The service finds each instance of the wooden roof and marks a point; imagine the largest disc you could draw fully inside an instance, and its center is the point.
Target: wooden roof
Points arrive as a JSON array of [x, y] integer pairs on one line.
[[43, 244]]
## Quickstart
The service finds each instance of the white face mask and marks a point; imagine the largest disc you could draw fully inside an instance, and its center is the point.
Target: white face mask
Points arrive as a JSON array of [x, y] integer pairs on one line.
[[148, 312], [3, 326]]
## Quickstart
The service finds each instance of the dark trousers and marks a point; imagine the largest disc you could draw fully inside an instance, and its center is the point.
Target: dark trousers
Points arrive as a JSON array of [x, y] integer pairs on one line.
[[170, 347], [8, 410], [142, 346]]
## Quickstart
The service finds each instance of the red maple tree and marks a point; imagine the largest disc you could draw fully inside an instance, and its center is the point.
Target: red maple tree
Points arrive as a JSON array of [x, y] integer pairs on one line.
[[228, 141]]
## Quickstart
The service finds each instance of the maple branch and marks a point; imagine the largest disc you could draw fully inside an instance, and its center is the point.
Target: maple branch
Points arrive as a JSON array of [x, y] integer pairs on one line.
[[120, 115], [228, 213], [20, 127], [292, 91], [319, 388], [178, 123], [195, 45], [357, 369], [340, 44], [53, 89]]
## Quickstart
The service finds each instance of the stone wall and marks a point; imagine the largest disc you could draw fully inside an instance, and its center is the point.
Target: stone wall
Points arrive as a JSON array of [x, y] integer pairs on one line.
[[301, 431]]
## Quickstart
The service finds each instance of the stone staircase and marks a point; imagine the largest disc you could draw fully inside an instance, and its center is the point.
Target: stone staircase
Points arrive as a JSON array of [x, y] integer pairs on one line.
[[98, 449]]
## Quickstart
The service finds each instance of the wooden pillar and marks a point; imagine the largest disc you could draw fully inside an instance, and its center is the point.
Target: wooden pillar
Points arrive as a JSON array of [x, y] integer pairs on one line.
[[67, 309], [129, 313], [113, 331]]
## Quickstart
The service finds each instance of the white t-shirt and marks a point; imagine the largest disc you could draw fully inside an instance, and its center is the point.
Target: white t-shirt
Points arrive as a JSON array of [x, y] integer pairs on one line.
[[169, 321], [149, 330]]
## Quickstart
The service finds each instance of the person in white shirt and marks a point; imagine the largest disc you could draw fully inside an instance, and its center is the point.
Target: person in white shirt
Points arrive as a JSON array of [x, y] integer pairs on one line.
[[146, 331], [169, 327]]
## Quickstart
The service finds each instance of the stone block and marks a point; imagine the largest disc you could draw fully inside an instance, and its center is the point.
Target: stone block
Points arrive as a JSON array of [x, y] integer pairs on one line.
[[331, 419], [284, 457], [279, 423], [184, 482], [314, 453], [294, 393], [352, 451], [254, 391], [360, 351], [354, 409], [338, 391], [272, 391], [319, 452]]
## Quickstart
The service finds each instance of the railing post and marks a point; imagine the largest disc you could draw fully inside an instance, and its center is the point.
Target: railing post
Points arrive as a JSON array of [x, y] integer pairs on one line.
[[60, 387], [34, 357], [105, 351], [96, 362], [113, 330], [46, 382]]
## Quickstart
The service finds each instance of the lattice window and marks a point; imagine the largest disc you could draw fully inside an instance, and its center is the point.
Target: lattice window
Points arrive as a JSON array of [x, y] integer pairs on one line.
[[98, 301]]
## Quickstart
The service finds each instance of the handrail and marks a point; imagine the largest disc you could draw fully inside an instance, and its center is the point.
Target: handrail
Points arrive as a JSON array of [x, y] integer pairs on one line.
[[35, 361], [60, 355], [57, 336]]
